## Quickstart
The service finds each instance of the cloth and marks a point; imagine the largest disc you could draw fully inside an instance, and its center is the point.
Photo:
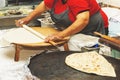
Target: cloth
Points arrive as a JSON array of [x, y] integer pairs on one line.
[[82, 5], [78, 41], [3, 3], [9, 69], [82, 42], [114, 20]]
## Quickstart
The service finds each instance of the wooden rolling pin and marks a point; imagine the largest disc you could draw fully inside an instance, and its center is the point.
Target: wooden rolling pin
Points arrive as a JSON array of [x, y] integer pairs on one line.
[[37, 34], [108, 38]]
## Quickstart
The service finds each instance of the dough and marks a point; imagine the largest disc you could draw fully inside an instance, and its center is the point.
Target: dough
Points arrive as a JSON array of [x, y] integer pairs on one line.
[[21, 35], [90, 62]]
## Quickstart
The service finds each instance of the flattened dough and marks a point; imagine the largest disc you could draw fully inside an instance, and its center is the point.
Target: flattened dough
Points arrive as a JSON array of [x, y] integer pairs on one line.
[[90, 62], [21, 35]]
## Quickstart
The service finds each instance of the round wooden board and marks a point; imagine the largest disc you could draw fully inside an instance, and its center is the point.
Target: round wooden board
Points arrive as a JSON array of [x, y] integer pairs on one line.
[[45, 31]]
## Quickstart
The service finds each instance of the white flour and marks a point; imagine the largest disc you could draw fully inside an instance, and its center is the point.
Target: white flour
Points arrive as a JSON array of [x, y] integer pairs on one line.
[[11, 70]]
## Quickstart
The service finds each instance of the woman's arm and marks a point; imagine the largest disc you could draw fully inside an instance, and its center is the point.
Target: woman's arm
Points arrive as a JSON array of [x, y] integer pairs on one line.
[[35, 13], [78, 25], [38, 10]]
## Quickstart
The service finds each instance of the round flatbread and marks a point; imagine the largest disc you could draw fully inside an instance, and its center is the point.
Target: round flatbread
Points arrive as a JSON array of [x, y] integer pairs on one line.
[[90, 62]]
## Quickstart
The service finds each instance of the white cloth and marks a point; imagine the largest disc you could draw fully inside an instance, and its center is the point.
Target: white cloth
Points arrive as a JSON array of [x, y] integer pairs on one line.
[[11, 70], [114, 20], [3, 3], [110, 12], [78, 41]]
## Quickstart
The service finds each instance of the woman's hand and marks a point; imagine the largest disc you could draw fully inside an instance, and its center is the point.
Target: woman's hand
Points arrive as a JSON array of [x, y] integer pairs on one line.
[[36, 12], [22, 21], [54, 37]]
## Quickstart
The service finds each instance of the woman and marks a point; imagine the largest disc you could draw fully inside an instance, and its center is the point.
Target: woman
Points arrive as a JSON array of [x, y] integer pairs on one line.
[[71, 17]]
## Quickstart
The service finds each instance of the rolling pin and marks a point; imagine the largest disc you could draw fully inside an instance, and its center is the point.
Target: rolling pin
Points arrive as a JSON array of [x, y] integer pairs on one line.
[[108, 38], [37, 34]]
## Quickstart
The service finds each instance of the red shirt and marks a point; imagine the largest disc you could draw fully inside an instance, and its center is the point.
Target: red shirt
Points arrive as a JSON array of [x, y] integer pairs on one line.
[[77, 6]]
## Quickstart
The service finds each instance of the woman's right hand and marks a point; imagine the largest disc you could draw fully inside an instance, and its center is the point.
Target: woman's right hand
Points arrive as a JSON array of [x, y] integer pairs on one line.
[[22, 21]]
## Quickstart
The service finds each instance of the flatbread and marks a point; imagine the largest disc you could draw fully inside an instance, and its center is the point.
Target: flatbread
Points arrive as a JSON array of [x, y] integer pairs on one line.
[[21, 35], [90, 62]]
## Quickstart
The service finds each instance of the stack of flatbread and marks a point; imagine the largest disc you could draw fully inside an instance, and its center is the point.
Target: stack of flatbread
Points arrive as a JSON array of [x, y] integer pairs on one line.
[[90, 62]]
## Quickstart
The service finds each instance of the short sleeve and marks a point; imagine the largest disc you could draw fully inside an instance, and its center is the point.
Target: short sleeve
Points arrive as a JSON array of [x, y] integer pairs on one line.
[[48, 3], [82, 5]]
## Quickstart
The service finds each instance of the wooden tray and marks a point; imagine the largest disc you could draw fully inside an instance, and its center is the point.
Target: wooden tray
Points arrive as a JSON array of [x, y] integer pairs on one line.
[[45, 31]]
